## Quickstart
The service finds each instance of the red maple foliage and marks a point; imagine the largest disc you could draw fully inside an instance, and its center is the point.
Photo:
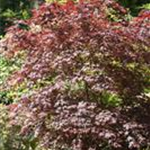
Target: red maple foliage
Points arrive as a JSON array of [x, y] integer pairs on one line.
[[88, 56]]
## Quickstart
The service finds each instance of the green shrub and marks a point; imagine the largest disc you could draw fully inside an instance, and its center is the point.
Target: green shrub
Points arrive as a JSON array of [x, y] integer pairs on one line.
[[7, 68], [135, 5]]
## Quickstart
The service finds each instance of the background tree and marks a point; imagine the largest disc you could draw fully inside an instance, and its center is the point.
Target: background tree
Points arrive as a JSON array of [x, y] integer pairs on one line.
[[134, 5], [16, 9]]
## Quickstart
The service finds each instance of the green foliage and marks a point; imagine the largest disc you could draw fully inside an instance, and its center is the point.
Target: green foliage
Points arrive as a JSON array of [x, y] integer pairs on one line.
[[13, 10], [135, 5], [111, 99], [148, 148], [10, 138], [146, 6], [115, 16], [7, 67]]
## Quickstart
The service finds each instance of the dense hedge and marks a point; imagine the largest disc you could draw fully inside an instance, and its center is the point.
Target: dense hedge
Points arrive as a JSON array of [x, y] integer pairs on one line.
[[92, 77]]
